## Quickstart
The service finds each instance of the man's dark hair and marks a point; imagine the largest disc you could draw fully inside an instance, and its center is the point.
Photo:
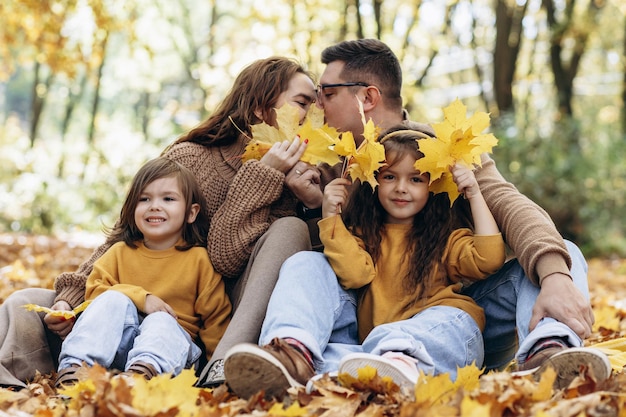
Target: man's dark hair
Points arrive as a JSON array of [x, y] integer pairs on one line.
[[370, 61]]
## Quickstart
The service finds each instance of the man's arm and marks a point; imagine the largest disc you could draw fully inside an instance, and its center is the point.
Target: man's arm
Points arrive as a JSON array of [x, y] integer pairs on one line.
[[539, 248]]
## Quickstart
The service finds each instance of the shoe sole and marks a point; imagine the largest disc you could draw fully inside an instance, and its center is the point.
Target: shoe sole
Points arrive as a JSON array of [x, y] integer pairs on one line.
[[351, 363], [567, 365], [249, 369]]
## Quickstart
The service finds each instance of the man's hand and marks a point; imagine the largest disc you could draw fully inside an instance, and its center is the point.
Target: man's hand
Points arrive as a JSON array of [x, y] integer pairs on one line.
[[154, 304], [59, 325], [304, 182], [560, 299]]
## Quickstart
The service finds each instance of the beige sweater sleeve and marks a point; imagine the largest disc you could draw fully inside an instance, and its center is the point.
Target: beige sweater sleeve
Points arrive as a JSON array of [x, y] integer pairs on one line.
[[70, 286], [244, 216], [527, 229]]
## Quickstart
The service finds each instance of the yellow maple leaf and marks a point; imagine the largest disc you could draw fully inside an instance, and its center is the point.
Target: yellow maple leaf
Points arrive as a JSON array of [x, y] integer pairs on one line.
[[363, 161], [607, 316], [544, 389], [320, 136], [79, 388], [321, 139], [473, 408], [445, 184], [432, 390], [58, 313], [163, 393], [439, 389], [615, 349], [468, 377], [457, 140], [346, 146]]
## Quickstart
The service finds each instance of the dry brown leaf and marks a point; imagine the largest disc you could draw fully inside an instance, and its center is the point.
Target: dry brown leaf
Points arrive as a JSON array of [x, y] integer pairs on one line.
[[502, 393]]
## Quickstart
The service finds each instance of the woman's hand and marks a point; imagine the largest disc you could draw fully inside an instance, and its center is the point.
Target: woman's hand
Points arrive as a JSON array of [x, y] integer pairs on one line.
[[57, 324], [284, 155]]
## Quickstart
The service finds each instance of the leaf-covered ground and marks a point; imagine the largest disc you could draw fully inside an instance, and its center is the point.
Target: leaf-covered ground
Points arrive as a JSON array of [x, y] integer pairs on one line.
[[27, 261]]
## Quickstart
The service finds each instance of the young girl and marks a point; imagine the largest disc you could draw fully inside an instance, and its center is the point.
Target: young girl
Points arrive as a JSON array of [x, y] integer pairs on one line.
[[399, 252], [400, 248], [155, 295]]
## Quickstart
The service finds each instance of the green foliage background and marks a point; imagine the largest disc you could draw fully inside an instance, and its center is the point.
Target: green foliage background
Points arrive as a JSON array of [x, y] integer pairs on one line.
[[91, 89]]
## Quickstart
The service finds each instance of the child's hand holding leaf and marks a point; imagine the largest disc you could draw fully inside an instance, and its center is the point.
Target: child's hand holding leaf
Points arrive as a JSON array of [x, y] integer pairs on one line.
[[60, 317], [335, 196]]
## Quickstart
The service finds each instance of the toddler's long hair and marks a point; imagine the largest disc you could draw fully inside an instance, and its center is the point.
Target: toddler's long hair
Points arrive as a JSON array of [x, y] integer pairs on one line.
[[427, 240], [194, 234]]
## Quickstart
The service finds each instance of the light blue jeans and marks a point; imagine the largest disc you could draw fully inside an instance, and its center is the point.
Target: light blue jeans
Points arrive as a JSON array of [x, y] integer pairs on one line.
[[508, 298], [309, 305], [112, 333]]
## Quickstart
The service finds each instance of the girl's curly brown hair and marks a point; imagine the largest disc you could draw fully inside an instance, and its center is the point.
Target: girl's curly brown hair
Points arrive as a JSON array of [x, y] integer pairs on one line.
[[432, 226]]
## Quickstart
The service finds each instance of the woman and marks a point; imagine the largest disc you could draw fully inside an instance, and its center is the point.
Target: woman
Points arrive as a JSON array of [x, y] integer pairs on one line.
[[262, 192]]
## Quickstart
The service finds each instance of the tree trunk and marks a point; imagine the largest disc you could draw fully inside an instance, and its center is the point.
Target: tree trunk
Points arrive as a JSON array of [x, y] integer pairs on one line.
[[95, 105], [624, 85], [565, 73], [38, 102], [506, 51], [360, 34], [72, 101], [378, 4]]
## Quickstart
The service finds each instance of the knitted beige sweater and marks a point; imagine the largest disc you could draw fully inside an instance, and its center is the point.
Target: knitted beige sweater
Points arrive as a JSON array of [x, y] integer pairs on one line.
[[240, 214]]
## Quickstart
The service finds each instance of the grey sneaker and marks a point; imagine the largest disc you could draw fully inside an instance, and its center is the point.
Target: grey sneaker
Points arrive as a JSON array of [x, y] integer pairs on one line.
[[212, 375], [567, 363]]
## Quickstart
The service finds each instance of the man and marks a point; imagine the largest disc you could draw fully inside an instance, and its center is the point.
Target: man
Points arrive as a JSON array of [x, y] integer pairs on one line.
[[540, 298]]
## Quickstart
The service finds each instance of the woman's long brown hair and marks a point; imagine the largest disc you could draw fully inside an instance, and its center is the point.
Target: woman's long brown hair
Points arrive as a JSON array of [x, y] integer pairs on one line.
[[256, 88]]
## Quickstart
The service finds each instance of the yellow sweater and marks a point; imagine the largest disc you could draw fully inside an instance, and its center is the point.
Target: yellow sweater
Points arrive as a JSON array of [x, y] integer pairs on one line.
[[185, 280], [382, 298]]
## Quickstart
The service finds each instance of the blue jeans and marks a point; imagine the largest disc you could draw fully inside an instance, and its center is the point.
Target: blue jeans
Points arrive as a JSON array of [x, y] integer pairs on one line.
[[309, 305], [508, 298], [112, 333]]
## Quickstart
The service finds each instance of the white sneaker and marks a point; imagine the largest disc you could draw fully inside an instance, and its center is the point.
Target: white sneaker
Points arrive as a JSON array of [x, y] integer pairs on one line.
[[401, 368], [310, 385]]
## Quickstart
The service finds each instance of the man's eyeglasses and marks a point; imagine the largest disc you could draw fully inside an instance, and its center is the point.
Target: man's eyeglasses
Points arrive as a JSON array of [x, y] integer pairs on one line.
[[321, 87]]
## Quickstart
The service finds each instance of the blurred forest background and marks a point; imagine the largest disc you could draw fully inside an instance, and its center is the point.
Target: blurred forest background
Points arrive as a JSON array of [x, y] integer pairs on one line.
[[90, 89]]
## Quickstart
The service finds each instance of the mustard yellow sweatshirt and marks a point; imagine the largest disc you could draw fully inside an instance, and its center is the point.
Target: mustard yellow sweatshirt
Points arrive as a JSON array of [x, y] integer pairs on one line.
[[185, 280], [382, 298]]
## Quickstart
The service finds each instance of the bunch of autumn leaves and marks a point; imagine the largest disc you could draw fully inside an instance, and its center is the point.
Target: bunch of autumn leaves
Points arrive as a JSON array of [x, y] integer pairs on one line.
[[458, 139]]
